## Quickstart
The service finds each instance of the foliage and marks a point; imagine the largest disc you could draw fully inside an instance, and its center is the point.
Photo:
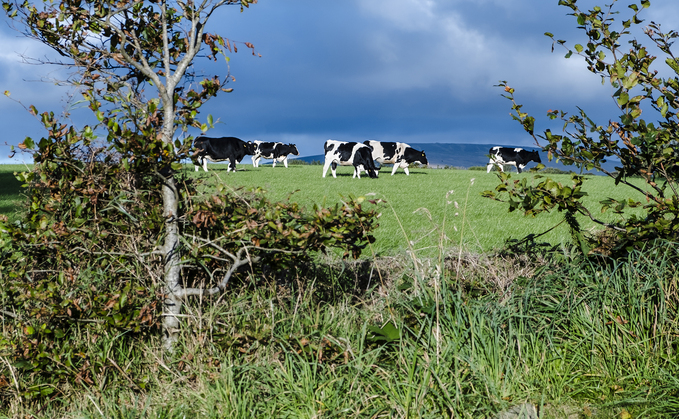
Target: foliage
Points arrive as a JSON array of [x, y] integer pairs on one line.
[[644, 149]]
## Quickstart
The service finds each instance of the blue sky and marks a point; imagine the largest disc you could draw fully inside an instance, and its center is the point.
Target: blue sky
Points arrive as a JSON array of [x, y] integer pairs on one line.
[[418, 71]]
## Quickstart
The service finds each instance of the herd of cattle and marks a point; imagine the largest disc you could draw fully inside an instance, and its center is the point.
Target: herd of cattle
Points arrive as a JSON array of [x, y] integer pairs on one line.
[[360, 155]]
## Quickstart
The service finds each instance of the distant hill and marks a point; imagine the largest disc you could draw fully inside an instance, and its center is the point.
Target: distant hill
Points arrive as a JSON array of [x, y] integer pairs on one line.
[[464, 156]]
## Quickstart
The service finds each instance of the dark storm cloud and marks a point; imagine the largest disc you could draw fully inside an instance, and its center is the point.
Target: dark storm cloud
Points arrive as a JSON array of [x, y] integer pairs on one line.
[[410, 70]]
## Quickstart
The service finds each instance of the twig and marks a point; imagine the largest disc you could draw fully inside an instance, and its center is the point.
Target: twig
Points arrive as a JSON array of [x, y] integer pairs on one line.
[[123, 373], [9, 314]]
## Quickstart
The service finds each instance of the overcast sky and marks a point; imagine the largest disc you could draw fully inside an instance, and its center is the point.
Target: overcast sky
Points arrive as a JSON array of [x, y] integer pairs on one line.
[[418, 71]]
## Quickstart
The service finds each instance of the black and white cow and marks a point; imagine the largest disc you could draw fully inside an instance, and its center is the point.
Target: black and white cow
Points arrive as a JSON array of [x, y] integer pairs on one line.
[[273, 151], [349, 154], [515, 156], [398, 154], [221, 149]]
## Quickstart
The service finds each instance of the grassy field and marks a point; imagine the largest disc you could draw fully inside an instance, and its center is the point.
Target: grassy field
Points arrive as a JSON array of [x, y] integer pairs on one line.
[[11, 199], [424, 211], [429, 208]]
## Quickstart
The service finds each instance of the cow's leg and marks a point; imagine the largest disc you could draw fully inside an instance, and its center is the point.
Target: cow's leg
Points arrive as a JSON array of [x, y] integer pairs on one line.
[[326, 166], [285, 161], [519, 167], [491, 163], [333, 168], [405, 169], [204, 164], [499, 163], [274, 162], [395, 168], [255, 161]]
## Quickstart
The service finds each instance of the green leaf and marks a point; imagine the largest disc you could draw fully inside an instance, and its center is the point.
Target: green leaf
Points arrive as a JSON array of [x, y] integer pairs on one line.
[[28, 142], [630, 82], [387, 333], [673, 64], [578, 48]]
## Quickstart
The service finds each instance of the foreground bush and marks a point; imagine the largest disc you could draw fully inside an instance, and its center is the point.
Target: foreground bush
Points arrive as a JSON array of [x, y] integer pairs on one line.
[[82, 276]]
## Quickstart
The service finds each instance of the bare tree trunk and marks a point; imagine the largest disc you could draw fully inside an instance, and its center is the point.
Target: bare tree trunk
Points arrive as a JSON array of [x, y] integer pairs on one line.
[[172, 305]]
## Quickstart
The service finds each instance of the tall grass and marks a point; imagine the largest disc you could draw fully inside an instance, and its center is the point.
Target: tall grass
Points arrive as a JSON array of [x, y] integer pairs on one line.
[[576, 339]]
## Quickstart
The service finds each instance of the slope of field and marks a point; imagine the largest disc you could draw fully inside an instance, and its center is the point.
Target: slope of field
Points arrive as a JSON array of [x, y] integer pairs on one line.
[[425, 211]]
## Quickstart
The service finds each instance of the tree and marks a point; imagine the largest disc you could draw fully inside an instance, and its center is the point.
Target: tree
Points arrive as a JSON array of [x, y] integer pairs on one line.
[[121, 51], [133, 65], [646, 150]]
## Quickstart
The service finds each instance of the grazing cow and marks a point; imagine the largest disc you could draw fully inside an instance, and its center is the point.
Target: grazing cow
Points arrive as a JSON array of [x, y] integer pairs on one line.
[[221, 149], [514, 156], [349, 154], [398, 154], [273, 151]]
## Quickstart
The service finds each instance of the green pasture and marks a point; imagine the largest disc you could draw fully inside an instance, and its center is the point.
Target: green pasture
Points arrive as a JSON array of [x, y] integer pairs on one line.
[[11, 198], [429, 210], [424, 212]]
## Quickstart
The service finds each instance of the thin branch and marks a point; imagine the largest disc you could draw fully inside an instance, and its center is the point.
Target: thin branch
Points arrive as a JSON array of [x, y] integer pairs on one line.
[[241, 258], [9, 314], [135, 254]]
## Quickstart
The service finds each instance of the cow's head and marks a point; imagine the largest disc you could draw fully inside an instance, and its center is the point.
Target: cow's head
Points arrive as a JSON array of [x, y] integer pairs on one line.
[[293, 149], [363, 157], [535, 156], [250, 148], [415, 156]]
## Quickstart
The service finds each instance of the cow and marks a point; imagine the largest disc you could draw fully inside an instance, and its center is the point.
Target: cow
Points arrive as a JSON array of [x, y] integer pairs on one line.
[[515, 156], [221, 149], [349, 154], [273, 151], [398, 154]]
